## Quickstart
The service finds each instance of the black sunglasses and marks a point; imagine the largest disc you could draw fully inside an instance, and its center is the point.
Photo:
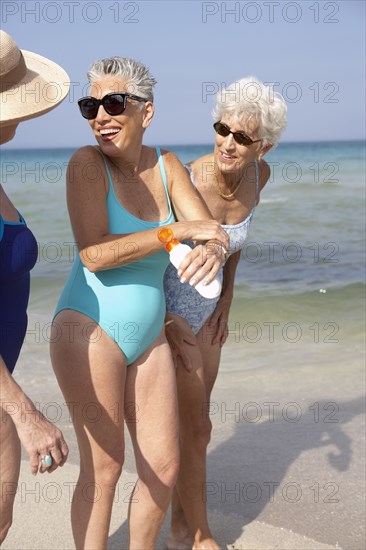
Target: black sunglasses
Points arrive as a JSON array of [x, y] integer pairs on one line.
[[114, 104], [240, 137]]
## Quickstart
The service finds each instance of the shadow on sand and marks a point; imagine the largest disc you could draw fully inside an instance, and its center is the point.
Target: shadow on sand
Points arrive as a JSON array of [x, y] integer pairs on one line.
[[247, 470]]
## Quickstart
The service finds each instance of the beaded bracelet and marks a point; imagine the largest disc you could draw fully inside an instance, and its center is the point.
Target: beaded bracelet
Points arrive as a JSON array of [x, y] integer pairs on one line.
[[226, 253]]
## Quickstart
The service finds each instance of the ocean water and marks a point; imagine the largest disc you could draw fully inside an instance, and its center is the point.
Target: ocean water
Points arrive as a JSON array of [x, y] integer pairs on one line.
[[302, 271]]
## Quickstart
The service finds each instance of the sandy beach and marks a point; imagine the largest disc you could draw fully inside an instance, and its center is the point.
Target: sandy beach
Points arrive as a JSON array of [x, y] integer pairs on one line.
[[42, 524], [285, 466]]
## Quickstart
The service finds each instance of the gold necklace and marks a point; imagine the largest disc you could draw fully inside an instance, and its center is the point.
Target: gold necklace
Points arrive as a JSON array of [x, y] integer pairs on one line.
[[224, 195]]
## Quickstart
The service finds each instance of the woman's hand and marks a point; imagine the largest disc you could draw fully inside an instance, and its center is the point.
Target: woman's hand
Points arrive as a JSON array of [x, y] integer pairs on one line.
[[40, 438], [179, 335], [203, 263], [219, 322]]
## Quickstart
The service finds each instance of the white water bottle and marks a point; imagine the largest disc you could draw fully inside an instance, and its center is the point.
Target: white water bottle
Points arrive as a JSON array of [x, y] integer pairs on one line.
[[178, 251]]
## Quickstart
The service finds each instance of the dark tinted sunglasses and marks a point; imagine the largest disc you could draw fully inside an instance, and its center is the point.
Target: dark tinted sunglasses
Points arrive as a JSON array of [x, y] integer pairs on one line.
[[240, 137], [114, 104]]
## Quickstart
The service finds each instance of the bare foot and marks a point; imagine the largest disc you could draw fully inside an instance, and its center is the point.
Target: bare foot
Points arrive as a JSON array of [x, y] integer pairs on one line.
[[206, 544]]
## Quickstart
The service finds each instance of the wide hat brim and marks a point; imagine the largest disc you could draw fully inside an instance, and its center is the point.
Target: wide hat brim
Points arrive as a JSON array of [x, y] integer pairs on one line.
[[44, 86]]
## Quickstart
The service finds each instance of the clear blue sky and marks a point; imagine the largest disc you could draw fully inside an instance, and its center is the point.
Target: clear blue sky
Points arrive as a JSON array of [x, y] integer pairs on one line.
[[314, 50]]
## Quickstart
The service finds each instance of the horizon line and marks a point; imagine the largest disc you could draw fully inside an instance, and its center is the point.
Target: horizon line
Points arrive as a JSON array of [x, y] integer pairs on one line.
[[285, 142]]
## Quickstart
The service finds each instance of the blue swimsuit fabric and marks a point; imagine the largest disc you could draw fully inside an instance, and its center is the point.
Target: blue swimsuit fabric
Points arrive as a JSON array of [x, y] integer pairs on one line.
[[18, 254]]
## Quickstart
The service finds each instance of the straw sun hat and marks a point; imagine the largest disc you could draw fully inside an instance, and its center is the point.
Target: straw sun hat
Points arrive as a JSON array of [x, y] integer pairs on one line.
[[30, 85]]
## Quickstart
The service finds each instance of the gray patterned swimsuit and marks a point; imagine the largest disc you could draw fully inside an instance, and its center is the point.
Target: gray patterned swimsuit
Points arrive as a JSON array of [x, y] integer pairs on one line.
[[183, 299]]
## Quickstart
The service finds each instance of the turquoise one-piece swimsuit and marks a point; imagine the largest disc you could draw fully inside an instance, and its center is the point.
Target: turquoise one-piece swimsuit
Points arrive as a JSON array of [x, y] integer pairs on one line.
[[127, 301]]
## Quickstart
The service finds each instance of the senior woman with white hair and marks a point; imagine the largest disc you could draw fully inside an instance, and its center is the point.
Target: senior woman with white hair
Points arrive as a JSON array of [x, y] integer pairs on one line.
[[249, 120]]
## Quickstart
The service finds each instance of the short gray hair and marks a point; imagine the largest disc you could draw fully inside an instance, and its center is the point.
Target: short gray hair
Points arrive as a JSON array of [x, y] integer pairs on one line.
[[139, 79], [248, 100]]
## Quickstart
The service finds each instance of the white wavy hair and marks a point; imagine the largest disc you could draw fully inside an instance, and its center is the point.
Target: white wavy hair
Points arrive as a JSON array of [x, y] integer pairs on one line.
[[250, 101], [138, 77]]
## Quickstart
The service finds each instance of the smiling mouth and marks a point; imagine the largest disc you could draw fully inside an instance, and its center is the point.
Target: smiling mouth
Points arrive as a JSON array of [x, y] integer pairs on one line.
[[226, 156], [109, 131]]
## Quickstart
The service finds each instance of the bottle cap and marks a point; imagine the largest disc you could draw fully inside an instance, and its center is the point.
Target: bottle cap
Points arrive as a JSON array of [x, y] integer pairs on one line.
[[170, 245]]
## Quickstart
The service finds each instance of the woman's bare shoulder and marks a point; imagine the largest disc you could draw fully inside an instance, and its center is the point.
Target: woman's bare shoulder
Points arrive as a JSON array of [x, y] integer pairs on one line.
[[87, 153], [172, 164], [86, 169], [169, 156]]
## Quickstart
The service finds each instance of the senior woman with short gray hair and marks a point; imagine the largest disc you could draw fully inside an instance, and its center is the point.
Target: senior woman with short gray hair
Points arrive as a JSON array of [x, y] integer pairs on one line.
[[249, 120], [108, 345]]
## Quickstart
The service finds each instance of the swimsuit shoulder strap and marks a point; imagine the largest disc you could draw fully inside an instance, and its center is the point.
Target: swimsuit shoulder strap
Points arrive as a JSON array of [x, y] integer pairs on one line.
[[162, 167]]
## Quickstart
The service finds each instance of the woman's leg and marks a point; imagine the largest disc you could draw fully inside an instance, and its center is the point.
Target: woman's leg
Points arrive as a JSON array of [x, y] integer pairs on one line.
[[9, 471], [189, 526], [152, 420], [91, 371]]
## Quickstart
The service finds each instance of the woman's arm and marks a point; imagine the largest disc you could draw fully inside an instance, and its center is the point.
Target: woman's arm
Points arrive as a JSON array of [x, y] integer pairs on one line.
[[35, 432], [205, 260], [220, 316], [86, 199]]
